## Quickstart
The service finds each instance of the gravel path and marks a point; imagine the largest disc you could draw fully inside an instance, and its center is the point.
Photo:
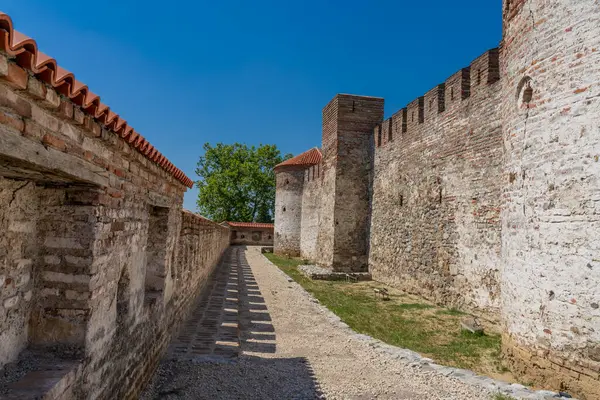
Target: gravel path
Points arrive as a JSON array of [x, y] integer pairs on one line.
[[289, 348]]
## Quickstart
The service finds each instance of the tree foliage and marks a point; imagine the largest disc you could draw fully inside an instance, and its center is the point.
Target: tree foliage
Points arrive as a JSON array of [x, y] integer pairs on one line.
[[237, 182]]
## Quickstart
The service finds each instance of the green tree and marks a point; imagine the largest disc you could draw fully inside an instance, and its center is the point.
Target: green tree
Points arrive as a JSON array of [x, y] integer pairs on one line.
[[237, 182]]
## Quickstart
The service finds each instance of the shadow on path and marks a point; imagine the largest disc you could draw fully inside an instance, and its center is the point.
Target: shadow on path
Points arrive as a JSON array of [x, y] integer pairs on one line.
[[226, 349]]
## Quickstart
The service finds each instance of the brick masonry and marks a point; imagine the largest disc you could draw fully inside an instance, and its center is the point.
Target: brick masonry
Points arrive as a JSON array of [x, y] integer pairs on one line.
[[550, 64], [435, 212], [252, 236], [482, 194], [98, 256]]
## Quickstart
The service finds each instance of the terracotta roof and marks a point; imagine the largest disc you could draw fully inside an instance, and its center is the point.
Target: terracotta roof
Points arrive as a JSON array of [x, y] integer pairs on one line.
[[27, 55], [306, 159], [249, 225]]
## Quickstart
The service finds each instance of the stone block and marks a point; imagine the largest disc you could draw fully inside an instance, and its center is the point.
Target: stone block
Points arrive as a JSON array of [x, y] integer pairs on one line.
[[11, 302], [14, 75], [36, 89], [51, 276]]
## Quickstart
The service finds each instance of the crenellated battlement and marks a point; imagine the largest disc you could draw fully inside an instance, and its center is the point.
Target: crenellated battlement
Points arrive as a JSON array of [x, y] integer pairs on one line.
[[445, 98]]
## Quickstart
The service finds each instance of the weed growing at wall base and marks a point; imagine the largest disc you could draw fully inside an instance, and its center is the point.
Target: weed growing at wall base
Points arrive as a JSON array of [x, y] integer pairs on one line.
[[405, 321]]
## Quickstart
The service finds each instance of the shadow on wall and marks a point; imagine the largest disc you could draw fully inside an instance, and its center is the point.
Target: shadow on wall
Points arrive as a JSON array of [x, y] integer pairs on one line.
[[205, 361]]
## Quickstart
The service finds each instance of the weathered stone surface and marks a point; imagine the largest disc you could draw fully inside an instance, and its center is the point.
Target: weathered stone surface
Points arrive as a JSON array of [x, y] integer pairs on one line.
[[96, 253], [483, 193], [288, 210]]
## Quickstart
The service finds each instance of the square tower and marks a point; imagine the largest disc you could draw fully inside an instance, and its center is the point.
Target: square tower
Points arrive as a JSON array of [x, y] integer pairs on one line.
[[348, 123]]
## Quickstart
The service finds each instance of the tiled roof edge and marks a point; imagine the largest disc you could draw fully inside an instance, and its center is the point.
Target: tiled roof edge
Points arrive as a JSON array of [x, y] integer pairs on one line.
[[249, 224], [306, 159], [25, 51]]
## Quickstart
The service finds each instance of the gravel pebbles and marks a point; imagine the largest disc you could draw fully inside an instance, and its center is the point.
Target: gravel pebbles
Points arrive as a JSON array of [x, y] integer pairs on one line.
[[318, 356]]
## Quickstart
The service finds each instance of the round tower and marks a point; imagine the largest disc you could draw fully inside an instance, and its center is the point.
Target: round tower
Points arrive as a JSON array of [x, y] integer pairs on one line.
[[288, 209], [550, 66]]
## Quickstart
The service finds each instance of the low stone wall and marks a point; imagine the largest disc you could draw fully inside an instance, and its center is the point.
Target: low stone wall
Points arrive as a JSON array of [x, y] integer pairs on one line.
[[98, 258], [201, 245], [252, 236]]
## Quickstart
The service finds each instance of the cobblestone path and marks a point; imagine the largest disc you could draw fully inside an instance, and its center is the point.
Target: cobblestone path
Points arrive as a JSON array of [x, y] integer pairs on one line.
[[256, 335], [232, 311]]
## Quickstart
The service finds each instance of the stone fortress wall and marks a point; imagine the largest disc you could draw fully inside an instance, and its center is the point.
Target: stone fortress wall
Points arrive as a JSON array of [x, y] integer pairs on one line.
[[98, 262], [482, 194]]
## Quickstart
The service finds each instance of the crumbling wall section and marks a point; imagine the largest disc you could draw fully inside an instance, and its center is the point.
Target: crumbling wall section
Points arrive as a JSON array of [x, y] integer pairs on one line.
[[435, 227]]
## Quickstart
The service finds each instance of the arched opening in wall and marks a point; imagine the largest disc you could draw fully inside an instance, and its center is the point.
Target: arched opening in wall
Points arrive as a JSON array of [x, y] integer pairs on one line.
[[525, 92], [242, 236], [378, 136], [451, 93], [256, 236], [287, 181], [283, 209], [478, 77], [123, 298], [156, 253]]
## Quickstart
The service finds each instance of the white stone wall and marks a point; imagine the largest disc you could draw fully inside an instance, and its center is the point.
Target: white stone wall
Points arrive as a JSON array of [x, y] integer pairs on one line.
[[288, 211], [311, 214], [551, 212]]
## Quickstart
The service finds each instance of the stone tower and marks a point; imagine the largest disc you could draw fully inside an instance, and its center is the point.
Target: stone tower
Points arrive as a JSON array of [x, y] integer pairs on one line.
[[288, 201], [550, 66], [288, 210], [348, 123]]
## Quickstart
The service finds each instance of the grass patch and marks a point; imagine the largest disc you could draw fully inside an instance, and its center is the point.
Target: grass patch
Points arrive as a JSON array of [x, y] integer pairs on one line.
[[450, 311], [404, 321], [502, 396]]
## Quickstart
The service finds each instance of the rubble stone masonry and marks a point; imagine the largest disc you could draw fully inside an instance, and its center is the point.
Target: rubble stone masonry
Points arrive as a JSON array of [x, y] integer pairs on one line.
[[96, 255], [483, 194]]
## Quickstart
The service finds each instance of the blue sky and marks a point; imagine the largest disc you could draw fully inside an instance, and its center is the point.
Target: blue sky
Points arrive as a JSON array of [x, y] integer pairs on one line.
[[188, 72]]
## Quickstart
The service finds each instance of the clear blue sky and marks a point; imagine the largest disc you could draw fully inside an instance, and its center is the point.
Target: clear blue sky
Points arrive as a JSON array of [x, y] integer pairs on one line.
[[187, 72]]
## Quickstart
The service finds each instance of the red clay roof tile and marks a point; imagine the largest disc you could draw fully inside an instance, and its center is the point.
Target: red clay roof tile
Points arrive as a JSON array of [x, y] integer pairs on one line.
[[306, 159], [249, 225], [27, 55]]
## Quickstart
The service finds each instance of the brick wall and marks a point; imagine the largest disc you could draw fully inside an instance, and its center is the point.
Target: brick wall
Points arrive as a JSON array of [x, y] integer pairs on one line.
[[435, 227], [98, 257], [252, 236], [551, 117]]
